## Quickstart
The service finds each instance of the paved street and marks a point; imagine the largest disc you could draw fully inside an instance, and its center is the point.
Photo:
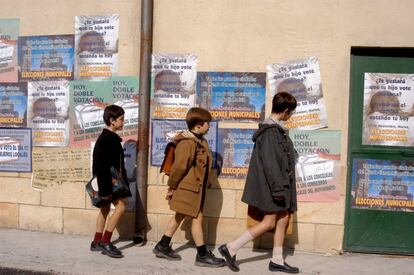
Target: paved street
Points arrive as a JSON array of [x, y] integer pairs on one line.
[[49, 253]]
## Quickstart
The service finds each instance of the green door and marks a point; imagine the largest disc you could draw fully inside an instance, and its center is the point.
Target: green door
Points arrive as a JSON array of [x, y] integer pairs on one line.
[[380, 181]]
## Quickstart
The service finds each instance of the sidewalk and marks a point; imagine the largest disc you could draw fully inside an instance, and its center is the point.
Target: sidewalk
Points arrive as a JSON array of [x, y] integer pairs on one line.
[[50, 253]]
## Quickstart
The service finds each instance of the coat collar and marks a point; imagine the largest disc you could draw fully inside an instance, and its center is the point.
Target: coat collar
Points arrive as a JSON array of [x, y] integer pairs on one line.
[[202, 142], [111, 134]]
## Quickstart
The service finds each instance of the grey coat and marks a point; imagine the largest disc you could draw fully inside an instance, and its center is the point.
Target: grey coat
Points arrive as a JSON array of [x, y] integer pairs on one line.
[[271, 171]]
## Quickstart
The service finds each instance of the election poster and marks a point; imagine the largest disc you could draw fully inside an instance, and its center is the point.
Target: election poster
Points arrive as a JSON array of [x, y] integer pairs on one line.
[[235, 147], [383, 185], [302, 79], [388, 109], [96, 47], [238, 97], [89, 99], [174, 85], [46, 58], [317, 165], [15, 150], [48, 112], [13, 104], [9, 33], [164, 130]]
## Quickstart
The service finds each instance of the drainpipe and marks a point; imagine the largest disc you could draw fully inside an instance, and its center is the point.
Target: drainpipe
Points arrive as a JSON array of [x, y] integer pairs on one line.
[[144, 119]]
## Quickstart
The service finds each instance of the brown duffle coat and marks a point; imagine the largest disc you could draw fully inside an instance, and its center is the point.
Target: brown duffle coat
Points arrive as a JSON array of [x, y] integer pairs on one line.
[[189, 175]]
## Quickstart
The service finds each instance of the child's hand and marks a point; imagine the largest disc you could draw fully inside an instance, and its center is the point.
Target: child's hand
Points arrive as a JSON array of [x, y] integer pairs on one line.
[[169, 194], [279, 198]]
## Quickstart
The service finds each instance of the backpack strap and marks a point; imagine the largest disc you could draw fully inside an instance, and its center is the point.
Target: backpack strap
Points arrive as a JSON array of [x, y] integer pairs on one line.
[[168, 157]]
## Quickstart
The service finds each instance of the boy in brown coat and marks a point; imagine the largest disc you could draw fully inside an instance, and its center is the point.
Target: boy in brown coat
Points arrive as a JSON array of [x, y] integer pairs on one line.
[[187, 187]]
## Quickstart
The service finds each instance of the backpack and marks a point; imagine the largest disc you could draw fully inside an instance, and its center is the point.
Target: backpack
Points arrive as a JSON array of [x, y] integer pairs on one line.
[[168, 158]]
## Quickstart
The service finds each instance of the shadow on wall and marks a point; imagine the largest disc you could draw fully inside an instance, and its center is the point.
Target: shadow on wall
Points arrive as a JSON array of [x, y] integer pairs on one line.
[[266, 240], [212, 210], [128, 225], [291, 238]]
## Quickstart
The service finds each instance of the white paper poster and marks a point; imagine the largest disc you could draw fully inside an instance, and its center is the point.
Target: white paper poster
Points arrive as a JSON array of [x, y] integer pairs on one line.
[[96, 47], [174, 84], [302, 79], [388, 109], [48, 112]]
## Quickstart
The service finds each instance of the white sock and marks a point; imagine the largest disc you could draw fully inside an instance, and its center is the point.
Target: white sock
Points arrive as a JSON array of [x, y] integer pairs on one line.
[[239, 242], [278, 255]]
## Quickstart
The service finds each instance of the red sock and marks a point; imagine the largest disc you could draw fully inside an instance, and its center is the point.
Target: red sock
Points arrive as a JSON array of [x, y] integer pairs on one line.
[[106, 237], [98, 237]]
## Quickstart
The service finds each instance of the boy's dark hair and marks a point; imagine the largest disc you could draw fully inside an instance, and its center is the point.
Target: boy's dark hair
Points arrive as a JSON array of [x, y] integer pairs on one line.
[[282, 101], [112, 111], [197, 116]]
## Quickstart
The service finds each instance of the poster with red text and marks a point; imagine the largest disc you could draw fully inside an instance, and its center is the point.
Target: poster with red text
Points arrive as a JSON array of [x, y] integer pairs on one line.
[[388, 109], [96, 47], [9, 33], [174, 85], [302, 79], [317, 165]]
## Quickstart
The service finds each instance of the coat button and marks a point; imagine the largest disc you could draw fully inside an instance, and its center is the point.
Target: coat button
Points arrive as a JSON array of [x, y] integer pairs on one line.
[[198, 179], [202, 151]]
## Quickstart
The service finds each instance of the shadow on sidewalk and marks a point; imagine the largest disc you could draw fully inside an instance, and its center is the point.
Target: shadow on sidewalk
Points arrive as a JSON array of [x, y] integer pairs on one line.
[[268, 255], [189, 244], [14, 271], [128, 245]]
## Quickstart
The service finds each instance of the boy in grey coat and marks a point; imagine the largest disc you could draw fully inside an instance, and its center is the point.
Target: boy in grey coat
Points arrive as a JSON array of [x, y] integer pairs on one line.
[[270, 184]]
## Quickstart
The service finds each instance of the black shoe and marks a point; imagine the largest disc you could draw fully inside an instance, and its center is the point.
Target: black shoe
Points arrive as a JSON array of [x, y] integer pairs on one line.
[[283, 268], [95, 247], [166, 252], [231, 261], [138, 239], [209, 260], [110, 250]]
